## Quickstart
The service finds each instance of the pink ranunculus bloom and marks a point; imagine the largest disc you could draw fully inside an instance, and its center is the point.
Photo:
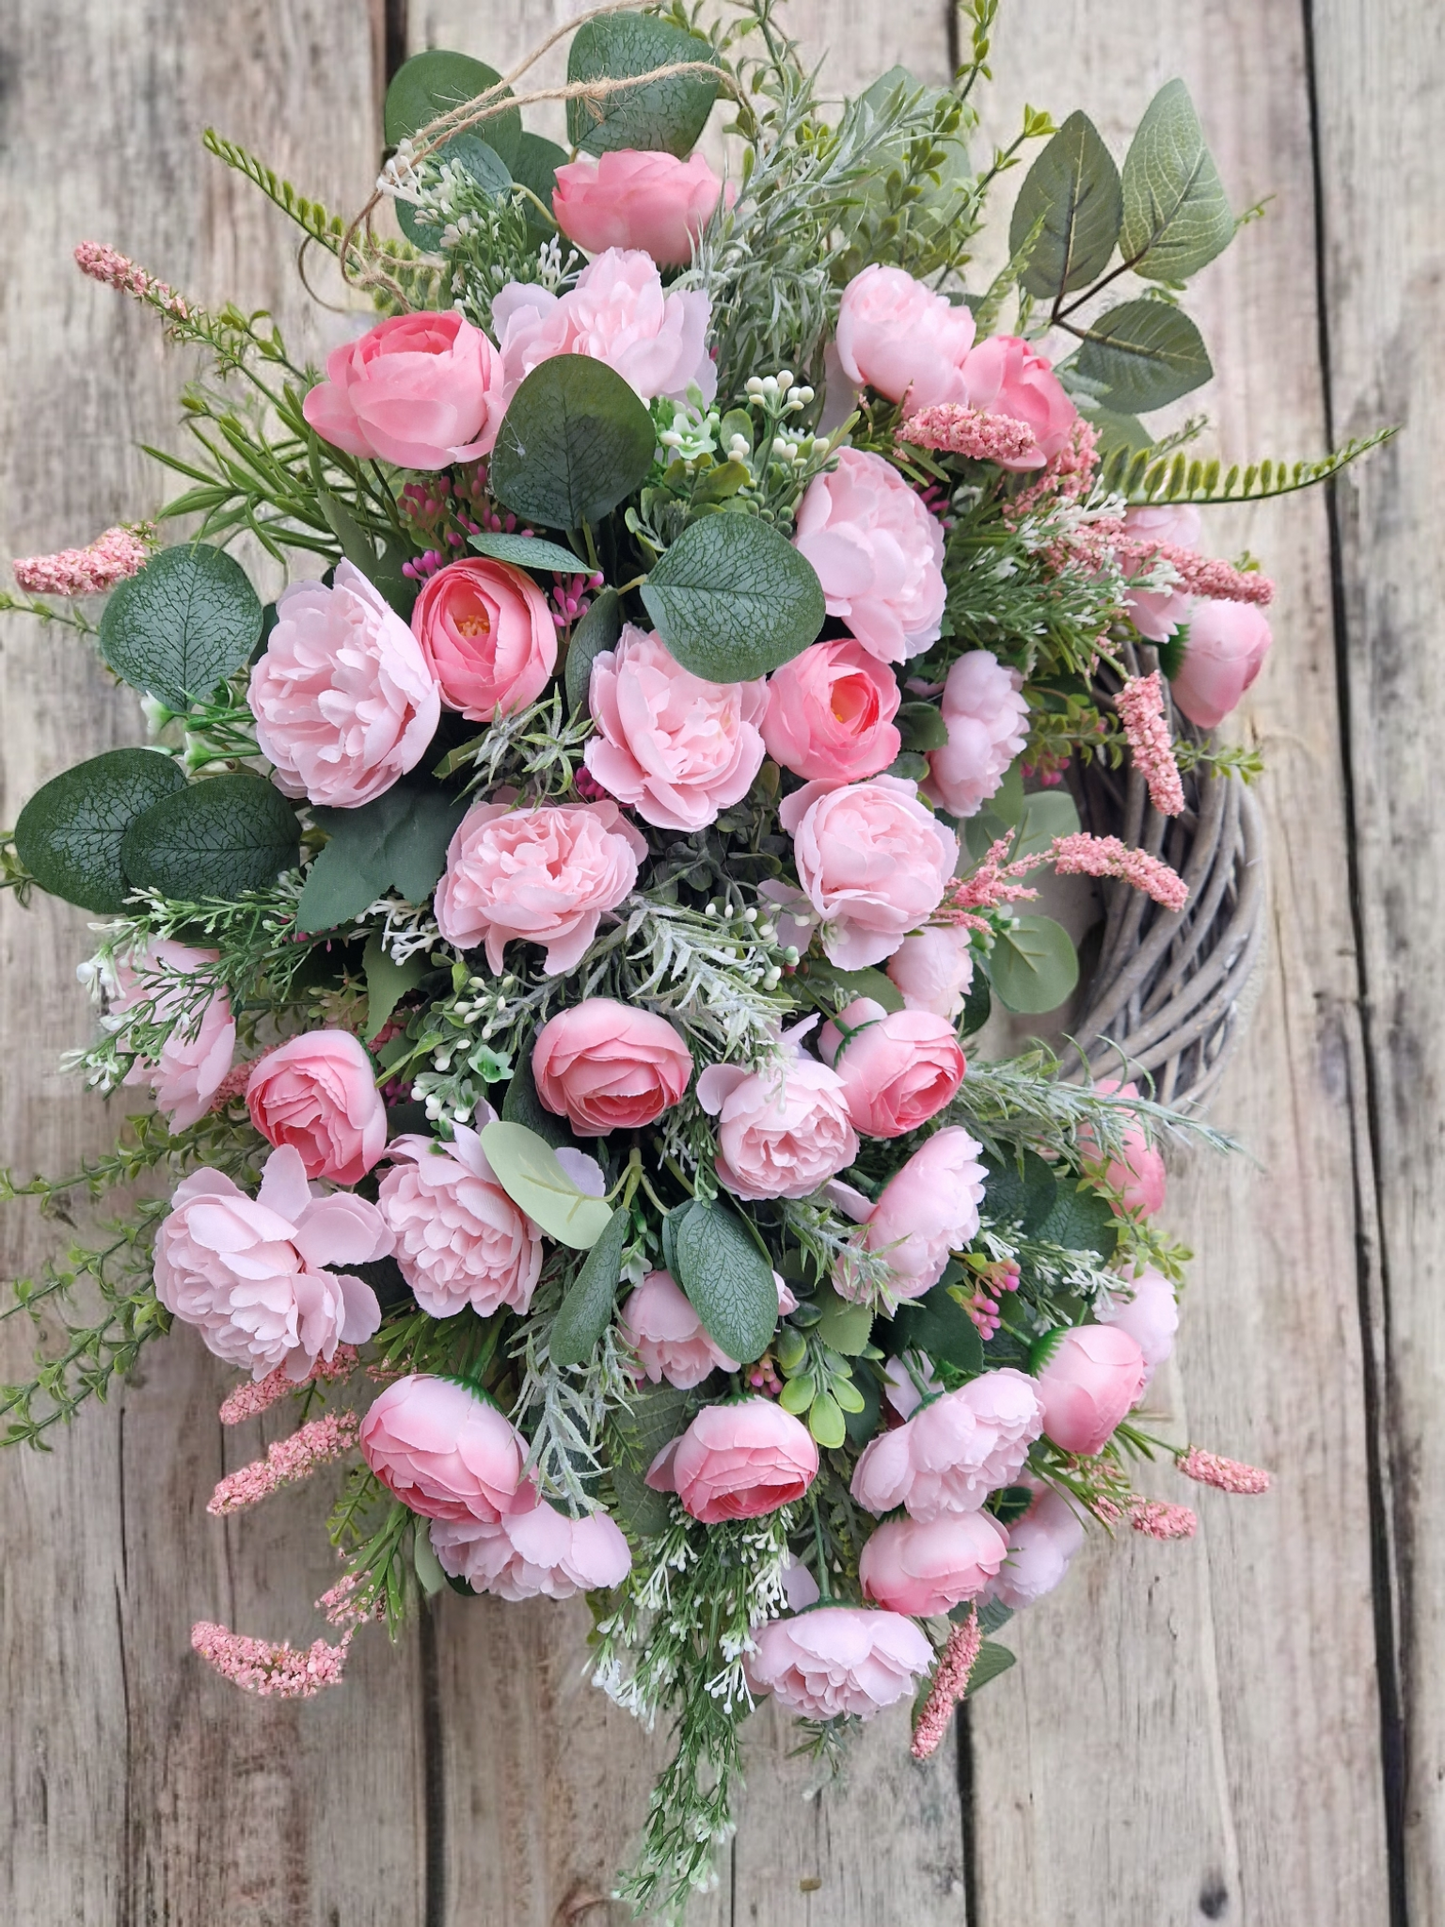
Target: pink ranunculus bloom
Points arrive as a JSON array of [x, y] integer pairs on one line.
[[607, 1066], [737, 1462], [318, 1092], [1041, 1545], [669, 1339], [926, 1210], [674, 748], [542, 875], [422, 390], [927, 1568], [830, 713], [1157, 613], [899, 1068], [637, 199], [988, 722], [1144, 1305], [197, 1054], [250, 1273], [460, 1240], [1005, 376], [933, 970], [487, 635], [901, 338], [1138, 1176], [539, 1553], [838, 1661], [873, 861], [1094, 1375], [781, 1133], [878, 553], [343, 698], [954, 1451], [1225, 651], [446, 1452]]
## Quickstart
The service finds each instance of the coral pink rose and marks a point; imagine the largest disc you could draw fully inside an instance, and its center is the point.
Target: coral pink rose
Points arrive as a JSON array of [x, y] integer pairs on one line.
[[318, 1092], [460, 1240], [902, 339], [606, 1066], [1144, 1305], [839, 1661], [781, 1133], [830, 713], [487, 635], [1004, 376], [250, 1273], [874, 863], [675, 748], [446, 1452], [953, 1452], [1138, 1176], [933, 970], [925, 1211], [1040, 1547], [899, 1068], [542, 875], [537, 1554], [1093, 1376], [422, 390], [635, 199], [987, 720], [196, 1056], [737, 1462], [878, 553], [1225, 651], [668, 1337], [927, 1569], [1157, 613], [343, 698]]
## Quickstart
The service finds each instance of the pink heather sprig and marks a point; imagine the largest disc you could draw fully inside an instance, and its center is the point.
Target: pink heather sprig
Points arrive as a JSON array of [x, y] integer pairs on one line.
[[1201, 575], [287, 1462], [955, 429], [1105, 856], [989, 888], [950, 1683], [1228, 1475], [251, 1399], [339, 1605], [1068, 477], [1140, 704], [1158, 1520], [127, 277], [112, 557], [270, 1671]]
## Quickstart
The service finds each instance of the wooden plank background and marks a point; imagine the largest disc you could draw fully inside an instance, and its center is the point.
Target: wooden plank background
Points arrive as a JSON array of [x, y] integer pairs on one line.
[[1250, 1728]]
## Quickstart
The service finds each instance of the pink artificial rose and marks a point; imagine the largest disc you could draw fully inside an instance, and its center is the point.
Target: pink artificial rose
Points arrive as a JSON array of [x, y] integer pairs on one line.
[[1224, 652], [343, 698], [839, 1661], [954, 1451], [606, 1066], [873, 861], [924, 1569], [1143, 1305], [197, 1055], [878, 553], [903, 339], [1041, 1545], [487, 635], [250, 1273], [1157, 613], [669, 1339], [899, 1068], [536, 1554], [460, 1240], [1093, 1376], [1005, 376], [737, 1462], [318, 1092], [926, 1210], [781, 1133], [637, 199], [988, 721], [933, 970], [422, 390], [446, 1452], [1138, 1176], [539, 875], [674, 748], [830, 713]]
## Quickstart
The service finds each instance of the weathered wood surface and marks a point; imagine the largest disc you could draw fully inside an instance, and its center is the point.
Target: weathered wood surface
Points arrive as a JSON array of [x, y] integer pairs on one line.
[[1194, 1732]]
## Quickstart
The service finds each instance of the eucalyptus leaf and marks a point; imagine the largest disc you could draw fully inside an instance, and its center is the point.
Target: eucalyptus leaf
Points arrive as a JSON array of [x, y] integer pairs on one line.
[[1176, 212], [387, 981], [598, 630], [574, 442], [586, 1311], [1073, 188], [1144, 355], [182, 625], [431, 84], [536, 167], [217, 838], [526, 1167], [69, 834], [487, 169], [529, 552], [728, 1281], [666, 115], [1033, 965], [733, 600]]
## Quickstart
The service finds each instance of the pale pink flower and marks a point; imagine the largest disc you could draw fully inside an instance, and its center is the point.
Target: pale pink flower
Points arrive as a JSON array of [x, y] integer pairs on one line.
[[607, 1066], [878, 553], [1225, 651], [636, 199], [902, 339], [317, 1092], [781, 1132], [539, 1553], [446, 1451], [667, 1336], [422, 390], [926, 1210], [927, 1569], [1005, 376], [933, 970], [1144, 1305], [838, 1661], [460, 1240], [1157, 613], [950, 1683], [987, 719], [898, 1068], [954, 1451], [487, 635], [1138, 1175], [1140, 704], [1041, 1546], [830, 713], [112, 557], [197, 1055], [287, 1462], [737, 1462], [1227, 1475], [1093, 1376]]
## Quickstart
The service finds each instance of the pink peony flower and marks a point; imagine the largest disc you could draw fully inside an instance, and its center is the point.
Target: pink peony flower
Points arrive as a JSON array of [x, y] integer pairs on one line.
[[830, 713], [542, 875], [1227, 645], [676, 749], [540, 1553], [250, 1273], [1144, 1306], [487, 635], [422, 390], [197, 1055], [633, 199], [737, 1462], [781, 1133], [1004, 376], [873, 861], [318, 1092], [926, 1569], [343, 698], [460, 1240], [606, 1066], [926, 1210], [1138, 1176], [933, 970], [1157, 613], [902, 339], [899, 1068], [987, 720], [661, 1327], [1041, 1545], [953, 1452], [839, 1660], [1094, 1375], [446, 1452], [878, 553]]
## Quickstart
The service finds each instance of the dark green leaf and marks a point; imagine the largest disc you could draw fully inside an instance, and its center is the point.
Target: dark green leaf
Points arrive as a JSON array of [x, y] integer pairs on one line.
[[398, 839], [840, 987], [383, 571], [526, 1167], [727, 1279], [666, 114], [1073, 187], [574, 442], [180, 627], [1144, 354], [862, 1425], [654, 1416], [1046, 1202], [938, 1324], [431, 84], [1033, 965], [733, 600], [598, 630], [529, 552], [1079, 1220], [216, 838], [536, 167], [69, 834], [1045, 814], [922, 727], [1011, 1503], [387, 982], [487, 169], [993, 1614], [992, 1660], [977, 1005], [639, 1510], [521, 1105], [1176, 212], [586, 1311]]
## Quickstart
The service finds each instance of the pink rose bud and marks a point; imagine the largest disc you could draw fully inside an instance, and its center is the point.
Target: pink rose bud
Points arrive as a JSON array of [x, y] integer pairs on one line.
[[1157, 613], [422, 390], [540, 1553], [988, 721], [1004, 376], [632, 199], [197, 1055], [1144, 1305], [1227, 645], [343, 698], [898, 1068], [318, 1092], [676, 749], [1040, 1547], [839, 1660], [878, 553], [781, 1134], [1138, 1176], [446, 1452], [487, 635], [737, 1462], [460, 1240], [925, 1569], [606, 1066], [954, 1451], [830, 713], [661, 1327], [1093, 1376], [925, 1211], [903, 339], [933, 970]]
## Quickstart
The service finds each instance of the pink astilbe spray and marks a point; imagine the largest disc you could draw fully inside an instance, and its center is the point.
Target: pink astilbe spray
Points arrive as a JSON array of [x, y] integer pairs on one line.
[[956, 429], [112, 268], [340, 1607], [991, 886], [1158, 1520], [1067, 478], [1105, 856], [270, 1671], [110, 558], [950, 1683], [1109, 543], [1228, 1475], [1140, 704], [287, 1462], [258, 1395]]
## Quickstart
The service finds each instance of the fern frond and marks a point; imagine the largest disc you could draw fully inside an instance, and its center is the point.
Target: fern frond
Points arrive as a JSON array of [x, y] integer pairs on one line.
[[311, 216], [1143, 477]]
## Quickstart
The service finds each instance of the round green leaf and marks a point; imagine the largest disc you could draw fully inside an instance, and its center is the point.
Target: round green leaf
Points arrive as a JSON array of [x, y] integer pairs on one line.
[[825, 1422], [1073, 189], [536, 167], [180, 627], [1033, 965], [529, 552], [575, 441], [69, 833], [487, 169], [526, 1167], [727, 1280], [666, 114], [1143, 355], [434, 82], [798, 1394], [733, 600], [586, 1311], [216, 838]]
